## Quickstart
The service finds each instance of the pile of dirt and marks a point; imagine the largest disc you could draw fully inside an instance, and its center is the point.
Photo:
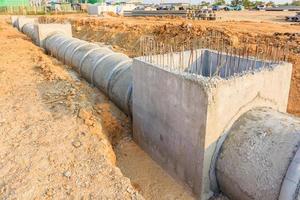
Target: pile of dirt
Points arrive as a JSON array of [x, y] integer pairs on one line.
[[123, 35]]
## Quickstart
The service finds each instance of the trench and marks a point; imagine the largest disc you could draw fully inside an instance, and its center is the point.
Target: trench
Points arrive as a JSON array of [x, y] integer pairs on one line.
[[150, 180], [146, 176], [111, 73]]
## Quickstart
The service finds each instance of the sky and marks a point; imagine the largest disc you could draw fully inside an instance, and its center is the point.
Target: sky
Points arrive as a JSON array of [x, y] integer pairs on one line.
[[198, 1]]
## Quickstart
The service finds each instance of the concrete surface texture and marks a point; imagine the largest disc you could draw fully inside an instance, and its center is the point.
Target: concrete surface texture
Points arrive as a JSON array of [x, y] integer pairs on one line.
[[21, 21], [45, 30], [239, 94], [94, 10], [14, 20], [168, 104], [28, 29], [210, 62], [169, 118], [289, 186], [256, 155]]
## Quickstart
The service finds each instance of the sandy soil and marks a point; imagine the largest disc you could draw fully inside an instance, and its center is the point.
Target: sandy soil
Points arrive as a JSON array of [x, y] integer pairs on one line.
[[52, 144], [123, 33], [147, 177], [58, 133], [255, 16], [61, 138]]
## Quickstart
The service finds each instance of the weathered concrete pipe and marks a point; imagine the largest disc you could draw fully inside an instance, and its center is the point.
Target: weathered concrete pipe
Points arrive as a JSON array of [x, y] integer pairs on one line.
[[258, 158], [28, 29], [108, 71]]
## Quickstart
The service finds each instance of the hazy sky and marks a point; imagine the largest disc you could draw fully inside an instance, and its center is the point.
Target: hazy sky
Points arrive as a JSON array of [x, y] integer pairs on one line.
[[197, 1]]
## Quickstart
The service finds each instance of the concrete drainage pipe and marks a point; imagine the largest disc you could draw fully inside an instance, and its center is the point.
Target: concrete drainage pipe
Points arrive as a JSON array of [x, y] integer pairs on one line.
[[28, 29], [108, 71], [255, 158]]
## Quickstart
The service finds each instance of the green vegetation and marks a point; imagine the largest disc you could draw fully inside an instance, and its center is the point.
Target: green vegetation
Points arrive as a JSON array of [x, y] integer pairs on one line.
[[4, 3], [296, 3], [219, 3]]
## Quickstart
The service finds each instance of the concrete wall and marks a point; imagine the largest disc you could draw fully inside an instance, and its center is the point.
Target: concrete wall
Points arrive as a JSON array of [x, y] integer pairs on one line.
[[178, 117], [169, 118], [45, 30], [207, 62]]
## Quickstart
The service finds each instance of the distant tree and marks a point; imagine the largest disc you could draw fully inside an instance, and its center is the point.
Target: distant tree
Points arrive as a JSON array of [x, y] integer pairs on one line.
[[219, 2], [296, 3], [236, 2], [204, 3], [257, 3], [247, 3], [270, 4], [283, 4]]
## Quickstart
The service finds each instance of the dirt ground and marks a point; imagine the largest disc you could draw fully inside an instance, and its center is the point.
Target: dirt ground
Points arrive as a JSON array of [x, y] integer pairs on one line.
[[255, 16], [123, 34], [59, 135], [62, 139]]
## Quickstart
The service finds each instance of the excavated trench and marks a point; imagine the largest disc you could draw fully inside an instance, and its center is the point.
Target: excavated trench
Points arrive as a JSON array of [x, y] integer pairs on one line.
[[111, 74], [262, 171]]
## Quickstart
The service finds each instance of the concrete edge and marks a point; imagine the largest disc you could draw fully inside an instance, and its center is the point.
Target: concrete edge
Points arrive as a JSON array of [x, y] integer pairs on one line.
[[214, 186], [291, 182]]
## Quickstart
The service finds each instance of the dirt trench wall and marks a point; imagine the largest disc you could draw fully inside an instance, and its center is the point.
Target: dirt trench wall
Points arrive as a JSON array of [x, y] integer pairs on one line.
[[55, 130]]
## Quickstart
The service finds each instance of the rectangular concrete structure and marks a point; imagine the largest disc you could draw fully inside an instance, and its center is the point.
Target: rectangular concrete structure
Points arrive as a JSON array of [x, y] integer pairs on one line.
[[94, 10], [22, 20], [44, 30], [179, 116]]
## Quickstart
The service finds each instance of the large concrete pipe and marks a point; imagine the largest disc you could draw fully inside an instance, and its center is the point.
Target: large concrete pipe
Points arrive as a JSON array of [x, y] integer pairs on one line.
[[107, 70], [257, 159], [28, 29], [121, 87]]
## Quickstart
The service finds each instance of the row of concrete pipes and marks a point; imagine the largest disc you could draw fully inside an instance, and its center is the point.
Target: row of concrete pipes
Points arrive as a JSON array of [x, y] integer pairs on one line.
[[107, 70], [258, 158]]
